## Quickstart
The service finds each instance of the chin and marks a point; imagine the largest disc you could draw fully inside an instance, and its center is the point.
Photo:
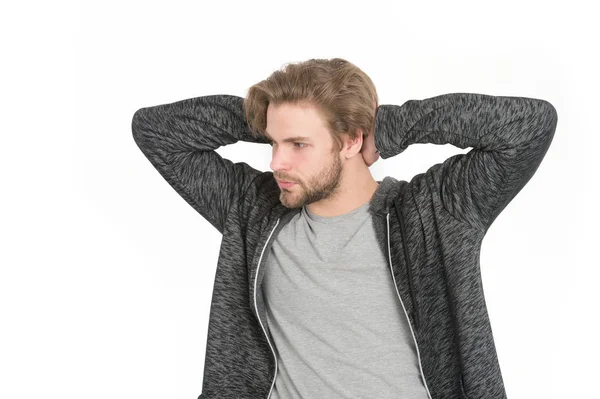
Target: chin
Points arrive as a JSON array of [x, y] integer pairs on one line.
[[289, 200]]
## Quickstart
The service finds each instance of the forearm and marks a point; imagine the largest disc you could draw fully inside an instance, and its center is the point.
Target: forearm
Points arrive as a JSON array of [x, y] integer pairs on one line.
[[465, 120], [195, 124]]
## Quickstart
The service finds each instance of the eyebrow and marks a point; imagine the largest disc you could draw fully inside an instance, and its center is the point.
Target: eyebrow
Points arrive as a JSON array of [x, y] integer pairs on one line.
[[290, 139]]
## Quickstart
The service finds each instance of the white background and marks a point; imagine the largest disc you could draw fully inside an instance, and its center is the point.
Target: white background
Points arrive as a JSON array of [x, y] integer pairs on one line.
[[106, 273]]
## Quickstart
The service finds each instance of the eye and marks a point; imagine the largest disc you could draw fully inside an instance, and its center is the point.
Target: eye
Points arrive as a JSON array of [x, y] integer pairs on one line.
[[300, 144]]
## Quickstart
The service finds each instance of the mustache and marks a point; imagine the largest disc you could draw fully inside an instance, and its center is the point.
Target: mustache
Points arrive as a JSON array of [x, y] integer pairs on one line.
[[285, 179]]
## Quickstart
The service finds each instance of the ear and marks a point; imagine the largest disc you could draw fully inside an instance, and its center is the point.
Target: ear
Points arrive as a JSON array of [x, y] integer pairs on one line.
[[353, 147]]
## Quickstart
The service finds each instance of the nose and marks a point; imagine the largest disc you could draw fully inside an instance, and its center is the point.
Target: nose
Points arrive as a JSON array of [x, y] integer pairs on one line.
[[278, 160]]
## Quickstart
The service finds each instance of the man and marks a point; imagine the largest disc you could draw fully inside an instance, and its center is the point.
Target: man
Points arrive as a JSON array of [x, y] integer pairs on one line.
[[331, 284]]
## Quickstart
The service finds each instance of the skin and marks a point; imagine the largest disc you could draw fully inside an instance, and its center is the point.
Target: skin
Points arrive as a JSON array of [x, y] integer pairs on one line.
[[328, 182]]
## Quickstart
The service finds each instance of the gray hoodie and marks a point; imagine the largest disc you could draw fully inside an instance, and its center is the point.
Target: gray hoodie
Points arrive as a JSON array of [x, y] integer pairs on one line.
[[430, 229]]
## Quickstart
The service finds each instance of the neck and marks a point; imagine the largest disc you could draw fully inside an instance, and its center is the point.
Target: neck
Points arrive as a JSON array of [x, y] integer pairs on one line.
[[356, 189]]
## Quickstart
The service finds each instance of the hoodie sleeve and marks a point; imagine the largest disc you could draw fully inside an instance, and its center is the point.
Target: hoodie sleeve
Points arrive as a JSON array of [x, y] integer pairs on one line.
[[509, 135], [179, 139]]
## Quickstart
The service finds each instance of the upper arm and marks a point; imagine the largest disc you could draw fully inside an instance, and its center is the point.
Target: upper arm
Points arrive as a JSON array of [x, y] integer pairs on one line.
[[476, 186], [179, 140], [208, 182]]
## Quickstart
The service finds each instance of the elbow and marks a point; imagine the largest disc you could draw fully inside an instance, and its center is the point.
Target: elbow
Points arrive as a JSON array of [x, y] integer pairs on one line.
[[137, 124], [549, 118], [546, 111], [544, 118]]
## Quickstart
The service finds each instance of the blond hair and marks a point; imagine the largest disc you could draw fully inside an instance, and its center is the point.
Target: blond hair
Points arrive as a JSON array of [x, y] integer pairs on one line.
[[342, 93]]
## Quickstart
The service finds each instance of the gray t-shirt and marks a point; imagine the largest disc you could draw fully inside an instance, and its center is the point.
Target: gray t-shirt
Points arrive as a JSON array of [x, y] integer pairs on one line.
[[338, 327]]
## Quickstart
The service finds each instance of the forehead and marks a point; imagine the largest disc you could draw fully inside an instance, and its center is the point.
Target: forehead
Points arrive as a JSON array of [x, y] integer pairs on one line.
[[284, 120]]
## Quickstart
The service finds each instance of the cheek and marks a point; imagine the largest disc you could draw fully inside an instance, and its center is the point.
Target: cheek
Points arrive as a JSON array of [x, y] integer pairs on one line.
[[305, 167], [301, 159]]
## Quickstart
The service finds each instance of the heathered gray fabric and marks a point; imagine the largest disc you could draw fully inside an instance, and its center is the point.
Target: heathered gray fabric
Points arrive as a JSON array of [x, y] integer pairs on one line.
[[431, 228], [337, 324]]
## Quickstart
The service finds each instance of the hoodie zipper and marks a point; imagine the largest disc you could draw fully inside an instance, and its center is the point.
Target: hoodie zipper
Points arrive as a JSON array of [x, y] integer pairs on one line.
[[402, 303], [462, 386], [408, 266], [258, 314]]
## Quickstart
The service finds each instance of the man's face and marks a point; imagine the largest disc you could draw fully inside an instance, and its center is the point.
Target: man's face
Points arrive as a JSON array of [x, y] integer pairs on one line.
[[303, 153]]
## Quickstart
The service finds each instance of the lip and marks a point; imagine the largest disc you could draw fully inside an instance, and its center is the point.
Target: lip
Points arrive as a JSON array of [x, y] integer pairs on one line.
[[285, 184]]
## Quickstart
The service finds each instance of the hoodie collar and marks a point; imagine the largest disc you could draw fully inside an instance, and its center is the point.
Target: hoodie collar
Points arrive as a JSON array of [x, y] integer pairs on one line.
[[383, 199]]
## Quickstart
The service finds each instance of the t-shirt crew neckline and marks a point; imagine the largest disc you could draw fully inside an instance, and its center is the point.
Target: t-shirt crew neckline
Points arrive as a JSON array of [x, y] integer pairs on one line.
[[335, 219]]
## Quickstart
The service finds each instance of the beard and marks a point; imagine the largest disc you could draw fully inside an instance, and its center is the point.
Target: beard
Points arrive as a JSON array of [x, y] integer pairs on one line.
[[325, 184]]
